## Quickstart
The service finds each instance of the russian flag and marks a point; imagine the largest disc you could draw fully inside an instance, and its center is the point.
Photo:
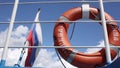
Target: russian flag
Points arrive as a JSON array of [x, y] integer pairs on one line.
[[34, 38]]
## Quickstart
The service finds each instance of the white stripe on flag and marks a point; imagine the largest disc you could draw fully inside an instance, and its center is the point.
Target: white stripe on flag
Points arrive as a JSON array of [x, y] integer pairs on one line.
[[38, 32]]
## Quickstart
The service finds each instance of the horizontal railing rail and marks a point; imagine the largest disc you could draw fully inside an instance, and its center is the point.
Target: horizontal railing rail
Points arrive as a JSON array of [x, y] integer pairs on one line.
[[59, 46], [57, 2], [82, 21]]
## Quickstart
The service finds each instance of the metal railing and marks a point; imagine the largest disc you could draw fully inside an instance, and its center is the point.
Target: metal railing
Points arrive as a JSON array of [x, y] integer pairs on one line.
[[81, 21], [49, 46], [56, 2]]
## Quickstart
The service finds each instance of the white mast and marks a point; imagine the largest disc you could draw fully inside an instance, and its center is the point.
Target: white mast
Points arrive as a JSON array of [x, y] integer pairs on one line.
[[4, 55], [108, 56]]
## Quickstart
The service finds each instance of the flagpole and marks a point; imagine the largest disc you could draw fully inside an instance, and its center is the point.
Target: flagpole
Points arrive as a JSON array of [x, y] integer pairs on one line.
[[5, 50], [21, 55]]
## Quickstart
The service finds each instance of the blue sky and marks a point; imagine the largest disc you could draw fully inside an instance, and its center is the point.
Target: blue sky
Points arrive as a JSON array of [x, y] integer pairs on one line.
[[51, 12], [84, 34]]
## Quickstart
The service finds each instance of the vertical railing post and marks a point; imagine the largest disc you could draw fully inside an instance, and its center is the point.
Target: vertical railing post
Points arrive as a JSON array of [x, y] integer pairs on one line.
[[108, 56], [5, 50]]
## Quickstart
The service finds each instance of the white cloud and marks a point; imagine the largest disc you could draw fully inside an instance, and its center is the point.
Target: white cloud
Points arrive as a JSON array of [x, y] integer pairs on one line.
[[2, 37], [68, 65], [48, 60], [44, 59], [92, 50], [20, 31], [13, 55], [101, 43], [15, 40], [18, 36]]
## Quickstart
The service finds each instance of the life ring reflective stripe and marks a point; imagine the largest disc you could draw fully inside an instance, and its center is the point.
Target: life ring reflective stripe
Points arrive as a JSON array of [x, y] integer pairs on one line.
[[71, 56], [80, 59]]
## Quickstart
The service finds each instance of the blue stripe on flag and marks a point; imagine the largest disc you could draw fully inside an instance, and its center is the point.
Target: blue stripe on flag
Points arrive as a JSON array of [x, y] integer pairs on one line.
[[35, 40]]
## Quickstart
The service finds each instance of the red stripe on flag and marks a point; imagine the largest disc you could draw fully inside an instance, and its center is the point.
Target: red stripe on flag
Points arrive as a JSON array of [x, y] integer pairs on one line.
[[31, 42]]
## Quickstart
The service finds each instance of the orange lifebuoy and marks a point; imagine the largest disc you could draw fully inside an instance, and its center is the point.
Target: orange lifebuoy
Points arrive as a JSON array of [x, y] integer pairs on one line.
[[80, 59]]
